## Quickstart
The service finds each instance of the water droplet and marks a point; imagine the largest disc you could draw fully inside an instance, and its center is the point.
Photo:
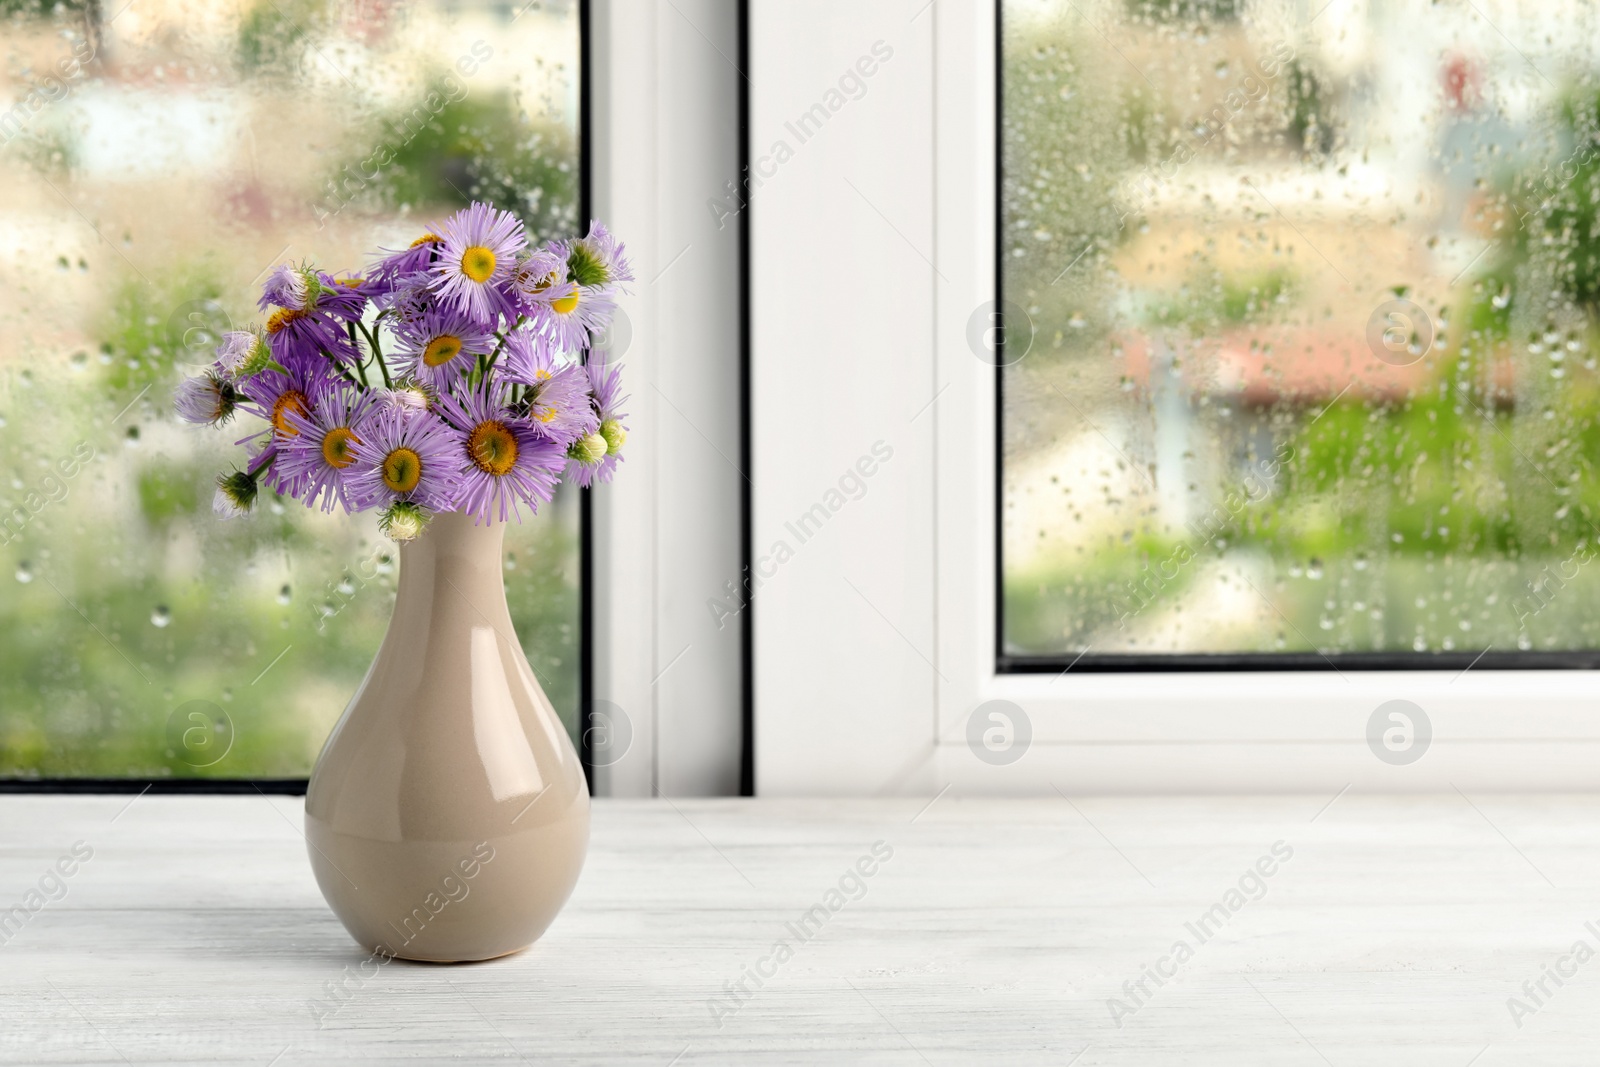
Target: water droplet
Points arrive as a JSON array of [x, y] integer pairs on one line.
[[160, 617], [1360, 563], [24, 572], [1077, 321], [80, 360], [1314, 569], [284, 594]]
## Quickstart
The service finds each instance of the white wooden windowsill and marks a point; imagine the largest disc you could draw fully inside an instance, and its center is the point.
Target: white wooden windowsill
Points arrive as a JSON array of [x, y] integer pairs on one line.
[[997, 932]]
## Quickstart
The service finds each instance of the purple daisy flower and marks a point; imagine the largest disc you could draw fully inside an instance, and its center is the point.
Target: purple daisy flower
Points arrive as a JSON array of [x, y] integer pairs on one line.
[[310, 310], [408, 400], [360, 287], [439, 346], [274, 395], [502, 459], [477, 261], [405, 456], [414, 259], [242, 354], [605, 384], [541, 277], [319, 457], [596, 260], [557, 395], [208, 399], [290, 287], [594, 458], [571, 320]]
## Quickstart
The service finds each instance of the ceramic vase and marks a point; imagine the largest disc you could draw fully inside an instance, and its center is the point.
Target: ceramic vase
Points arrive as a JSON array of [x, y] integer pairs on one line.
[[448, 817]]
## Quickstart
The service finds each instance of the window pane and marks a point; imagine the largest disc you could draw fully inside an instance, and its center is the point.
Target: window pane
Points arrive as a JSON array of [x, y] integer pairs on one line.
[[1313, 291], [158, 158]]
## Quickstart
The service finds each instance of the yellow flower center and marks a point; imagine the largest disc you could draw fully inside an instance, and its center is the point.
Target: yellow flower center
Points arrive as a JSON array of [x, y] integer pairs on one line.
[[547, 415], [402, 470], [289, 400], [441, 349], [350, 283], [477, 263], [282, 318], [567, 304], [426, 239], [336, 447], [493, 447]]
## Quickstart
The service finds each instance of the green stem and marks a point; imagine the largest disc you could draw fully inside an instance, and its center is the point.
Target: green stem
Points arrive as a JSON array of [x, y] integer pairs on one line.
[[377, 352], [361, 367], [502, 338]]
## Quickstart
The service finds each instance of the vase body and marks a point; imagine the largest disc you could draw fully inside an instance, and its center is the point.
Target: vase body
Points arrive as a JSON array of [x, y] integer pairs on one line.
[[447, 817]]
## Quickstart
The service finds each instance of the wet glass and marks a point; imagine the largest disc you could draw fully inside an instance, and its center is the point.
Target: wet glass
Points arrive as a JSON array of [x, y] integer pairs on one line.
[[1304, 343], [156, 159]]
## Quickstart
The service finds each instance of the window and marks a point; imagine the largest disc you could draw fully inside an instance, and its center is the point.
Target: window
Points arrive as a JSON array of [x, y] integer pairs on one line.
[[1300, 361], [158, 158]]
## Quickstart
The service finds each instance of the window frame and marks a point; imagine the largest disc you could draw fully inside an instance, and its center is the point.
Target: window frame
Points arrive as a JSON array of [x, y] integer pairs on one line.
[[1230, 707], [1125, 731], [586, 532]]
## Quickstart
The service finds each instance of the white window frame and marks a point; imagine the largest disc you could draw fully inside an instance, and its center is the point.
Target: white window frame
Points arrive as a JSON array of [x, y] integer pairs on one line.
[[876, 720], [666, 531]]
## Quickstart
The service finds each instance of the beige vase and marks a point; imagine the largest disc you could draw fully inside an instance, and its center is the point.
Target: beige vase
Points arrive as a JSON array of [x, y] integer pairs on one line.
[[448, 816]]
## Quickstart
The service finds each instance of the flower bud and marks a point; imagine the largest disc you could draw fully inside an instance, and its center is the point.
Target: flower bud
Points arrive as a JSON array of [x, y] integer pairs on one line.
[[590, 449], [207, 399], [403, 520], [614, 434], [236, 495]]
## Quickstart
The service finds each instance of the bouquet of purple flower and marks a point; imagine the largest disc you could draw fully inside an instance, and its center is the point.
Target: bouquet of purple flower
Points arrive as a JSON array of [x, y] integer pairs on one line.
[[483, 403]]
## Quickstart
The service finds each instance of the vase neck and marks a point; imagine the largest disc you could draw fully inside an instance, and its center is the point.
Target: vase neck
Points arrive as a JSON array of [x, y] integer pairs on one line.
[[454, 557]]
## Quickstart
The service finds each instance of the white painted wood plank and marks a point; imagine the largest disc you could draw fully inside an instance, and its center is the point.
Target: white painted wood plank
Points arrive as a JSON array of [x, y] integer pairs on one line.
[[996, 932]]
